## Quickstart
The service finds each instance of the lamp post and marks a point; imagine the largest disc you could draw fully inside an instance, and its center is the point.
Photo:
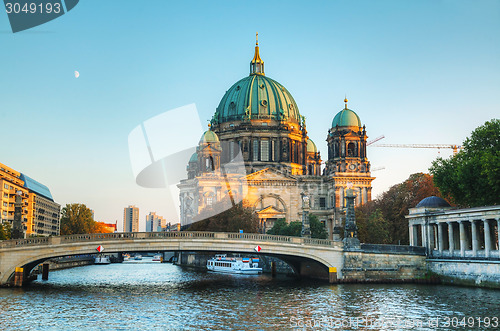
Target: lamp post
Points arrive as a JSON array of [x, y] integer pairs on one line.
[[306, 228], [350, 230]]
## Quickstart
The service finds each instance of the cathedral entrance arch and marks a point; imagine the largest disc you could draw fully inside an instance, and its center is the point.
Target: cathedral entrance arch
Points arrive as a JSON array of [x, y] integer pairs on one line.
[[269, 208]]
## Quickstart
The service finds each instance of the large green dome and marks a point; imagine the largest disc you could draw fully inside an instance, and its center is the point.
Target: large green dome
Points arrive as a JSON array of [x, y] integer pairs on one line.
[[257, 97]]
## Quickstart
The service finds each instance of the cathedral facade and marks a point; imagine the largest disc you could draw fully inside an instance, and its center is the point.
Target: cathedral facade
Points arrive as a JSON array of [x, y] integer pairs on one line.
[[257, 152]]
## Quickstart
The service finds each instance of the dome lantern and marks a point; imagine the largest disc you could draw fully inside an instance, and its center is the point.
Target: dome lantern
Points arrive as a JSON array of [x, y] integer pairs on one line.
[[256, 65]]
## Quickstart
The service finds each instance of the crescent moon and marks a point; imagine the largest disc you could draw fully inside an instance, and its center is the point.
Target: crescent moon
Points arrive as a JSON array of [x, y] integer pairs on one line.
[[77, 74]]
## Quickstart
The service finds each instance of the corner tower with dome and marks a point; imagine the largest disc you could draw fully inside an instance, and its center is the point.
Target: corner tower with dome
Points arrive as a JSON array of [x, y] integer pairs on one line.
[[257, 151]]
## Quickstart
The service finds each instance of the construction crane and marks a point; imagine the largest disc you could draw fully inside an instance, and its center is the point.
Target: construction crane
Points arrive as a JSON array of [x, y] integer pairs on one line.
[[455, 148], [375, 140]]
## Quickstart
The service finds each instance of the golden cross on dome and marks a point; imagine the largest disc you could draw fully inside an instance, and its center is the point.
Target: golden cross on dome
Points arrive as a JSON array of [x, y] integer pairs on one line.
[[257, 38]]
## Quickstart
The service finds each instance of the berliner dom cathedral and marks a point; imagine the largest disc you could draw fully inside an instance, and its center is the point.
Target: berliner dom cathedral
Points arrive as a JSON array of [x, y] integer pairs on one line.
[[257, 151]]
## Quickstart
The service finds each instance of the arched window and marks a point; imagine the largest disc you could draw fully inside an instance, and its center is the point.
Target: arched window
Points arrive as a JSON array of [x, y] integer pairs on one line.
[[351, 150], [209, 164]]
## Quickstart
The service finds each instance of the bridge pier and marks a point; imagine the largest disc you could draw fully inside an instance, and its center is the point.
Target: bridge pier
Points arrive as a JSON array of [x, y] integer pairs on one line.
[[45, 271], [18, 277], [332, 275]]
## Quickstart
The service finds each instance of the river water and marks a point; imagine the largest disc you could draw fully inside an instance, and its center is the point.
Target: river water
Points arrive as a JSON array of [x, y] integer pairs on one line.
[[154, 296]]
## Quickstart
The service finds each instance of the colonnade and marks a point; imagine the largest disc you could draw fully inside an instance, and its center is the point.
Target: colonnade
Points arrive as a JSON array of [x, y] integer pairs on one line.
[[462, 238]]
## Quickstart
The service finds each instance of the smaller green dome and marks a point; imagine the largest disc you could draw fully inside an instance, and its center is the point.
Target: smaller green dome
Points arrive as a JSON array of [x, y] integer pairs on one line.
[[194, 158], [346, 117], [311, 146], [209, 137]]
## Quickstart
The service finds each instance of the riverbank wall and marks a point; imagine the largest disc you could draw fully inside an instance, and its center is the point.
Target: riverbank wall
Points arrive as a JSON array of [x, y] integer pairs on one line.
[[479, 273], [69, 262], [384, 263]]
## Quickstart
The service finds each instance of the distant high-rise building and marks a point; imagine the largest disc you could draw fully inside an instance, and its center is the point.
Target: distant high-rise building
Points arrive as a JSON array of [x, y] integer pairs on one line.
[[155, 223], [40, 214], [131, 219]]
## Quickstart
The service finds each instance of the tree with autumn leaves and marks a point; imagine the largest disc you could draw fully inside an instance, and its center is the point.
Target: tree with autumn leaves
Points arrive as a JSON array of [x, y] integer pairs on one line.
[[382, 221], [76, 218]]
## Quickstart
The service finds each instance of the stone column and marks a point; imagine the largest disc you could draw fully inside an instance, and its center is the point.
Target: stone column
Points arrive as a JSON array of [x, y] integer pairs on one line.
[[498, 233], [423, 231], [451, 240], [341, 197], [365, 195], [410, 228], [440, 237], [415, 235], [463, 241], [430, 237], [487, 238], [474, 238]]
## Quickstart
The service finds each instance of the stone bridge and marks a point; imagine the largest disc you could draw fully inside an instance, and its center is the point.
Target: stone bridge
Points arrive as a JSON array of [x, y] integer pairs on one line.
[[315, 258]]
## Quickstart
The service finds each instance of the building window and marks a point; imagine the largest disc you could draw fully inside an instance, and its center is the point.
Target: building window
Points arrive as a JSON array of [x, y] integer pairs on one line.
[[231, 150], [256, 150], [351, 150], [322, 202], [210, 201], [6, 186], [264, 150]]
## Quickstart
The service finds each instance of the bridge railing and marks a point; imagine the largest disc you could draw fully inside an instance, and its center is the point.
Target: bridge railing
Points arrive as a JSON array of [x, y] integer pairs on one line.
[[40, 241]]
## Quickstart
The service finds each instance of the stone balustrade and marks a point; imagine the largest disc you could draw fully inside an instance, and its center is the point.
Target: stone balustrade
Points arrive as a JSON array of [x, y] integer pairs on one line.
[[163, 235]]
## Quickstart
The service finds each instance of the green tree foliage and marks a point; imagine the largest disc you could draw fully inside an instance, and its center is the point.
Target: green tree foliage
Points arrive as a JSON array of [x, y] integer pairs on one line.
[[318, 229], [5, 231], [278, 227], [472, 177], [382, 221], [373, 228], [294, 229], [76, 218], [231, 219]]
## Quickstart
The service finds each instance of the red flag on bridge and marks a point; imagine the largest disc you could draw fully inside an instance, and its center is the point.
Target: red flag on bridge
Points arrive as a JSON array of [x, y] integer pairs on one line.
[[100, 248]]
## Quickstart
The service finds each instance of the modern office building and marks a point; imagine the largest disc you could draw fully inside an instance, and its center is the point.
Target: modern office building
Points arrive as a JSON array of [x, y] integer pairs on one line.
[[155, 223], [40, 214], [131, 219]]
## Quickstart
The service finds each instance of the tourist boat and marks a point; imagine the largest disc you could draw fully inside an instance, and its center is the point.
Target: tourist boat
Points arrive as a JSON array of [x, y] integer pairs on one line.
[[138, 257], [234, 265], [157, 258], [102, 260]]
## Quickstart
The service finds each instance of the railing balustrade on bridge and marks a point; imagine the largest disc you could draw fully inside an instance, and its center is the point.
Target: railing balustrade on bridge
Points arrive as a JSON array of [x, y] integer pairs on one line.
[[42, 241]]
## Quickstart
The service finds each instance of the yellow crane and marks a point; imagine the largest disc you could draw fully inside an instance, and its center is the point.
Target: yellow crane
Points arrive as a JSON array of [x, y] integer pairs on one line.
[[455, 148]]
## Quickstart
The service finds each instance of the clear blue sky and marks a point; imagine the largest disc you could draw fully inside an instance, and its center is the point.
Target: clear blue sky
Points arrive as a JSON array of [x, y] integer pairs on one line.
[[414, 71]]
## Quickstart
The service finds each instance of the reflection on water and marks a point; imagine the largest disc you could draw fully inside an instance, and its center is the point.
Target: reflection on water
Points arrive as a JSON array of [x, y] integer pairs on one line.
[[162, 296]]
